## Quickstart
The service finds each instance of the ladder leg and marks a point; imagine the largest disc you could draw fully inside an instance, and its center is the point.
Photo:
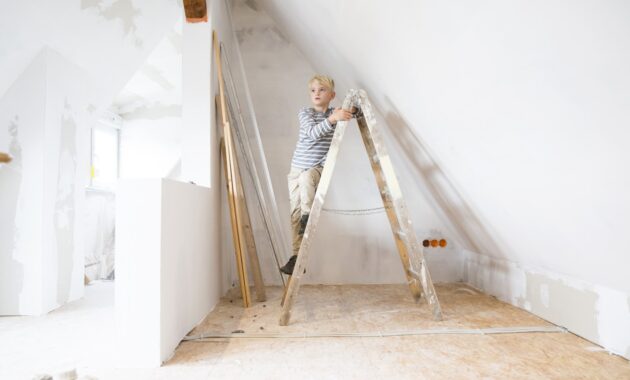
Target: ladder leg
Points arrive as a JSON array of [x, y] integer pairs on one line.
[[293, 285], [284, 294], [414, 284], [324, 182], [298, 271], [411, 253]]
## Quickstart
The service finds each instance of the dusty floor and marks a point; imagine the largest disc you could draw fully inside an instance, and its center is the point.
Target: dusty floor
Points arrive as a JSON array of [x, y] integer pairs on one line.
[[41, 343], [322, 310], [77, 335]]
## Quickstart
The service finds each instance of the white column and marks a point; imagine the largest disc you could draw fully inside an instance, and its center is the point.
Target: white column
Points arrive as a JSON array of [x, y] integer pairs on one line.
[[198, 103]]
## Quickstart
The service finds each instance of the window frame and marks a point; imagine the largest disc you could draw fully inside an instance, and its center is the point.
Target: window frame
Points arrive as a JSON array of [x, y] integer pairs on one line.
[[113, 122]]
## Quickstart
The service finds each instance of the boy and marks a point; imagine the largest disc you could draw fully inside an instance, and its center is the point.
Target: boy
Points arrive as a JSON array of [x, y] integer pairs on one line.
[[317, 127]]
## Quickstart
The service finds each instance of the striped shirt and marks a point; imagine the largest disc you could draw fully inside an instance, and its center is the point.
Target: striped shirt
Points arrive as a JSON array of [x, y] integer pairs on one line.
[[316, 134]]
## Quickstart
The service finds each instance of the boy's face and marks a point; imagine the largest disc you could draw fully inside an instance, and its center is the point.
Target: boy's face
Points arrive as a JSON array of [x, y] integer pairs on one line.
[[320, 94]]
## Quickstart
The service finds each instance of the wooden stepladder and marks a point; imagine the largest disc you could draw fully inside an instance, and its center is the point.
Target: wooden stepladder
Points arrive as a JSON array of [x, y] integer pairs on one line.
[[242, 234], [409, 249]]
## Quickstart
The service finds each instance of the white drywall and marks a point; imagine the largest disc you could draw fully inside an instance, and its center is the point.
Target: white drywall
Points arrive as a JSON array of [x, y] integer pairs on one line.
[[45, 112], [56, 76], [99, 221], [150, 148], [107, 39], [170, 270], [150, 106], [523, 106], [199, 102], [597, 313], [167, 266], [22, 112], [348, 248]]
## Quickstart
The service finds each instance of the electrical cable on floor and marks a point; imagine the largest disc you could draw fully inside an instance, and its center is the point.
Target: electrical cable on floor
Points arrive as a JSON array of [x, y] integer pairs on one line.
[[380, 334]]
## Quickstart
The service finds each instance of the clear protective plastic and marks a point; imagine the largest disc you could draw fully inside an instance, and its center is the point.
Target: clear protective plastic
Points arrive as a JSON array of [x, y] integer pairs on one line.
[[271, 244]]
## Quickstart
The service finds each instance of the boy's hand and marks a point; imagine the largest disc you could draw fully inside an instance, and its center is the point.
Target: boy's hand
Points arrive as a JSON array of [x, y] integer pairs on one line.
[[339, 114]]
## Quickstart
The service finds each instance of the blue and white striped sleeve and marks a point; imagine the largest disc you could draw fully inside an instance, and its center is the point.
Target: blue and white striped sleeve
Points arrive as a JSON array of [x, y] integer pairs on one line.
[[313, 129]]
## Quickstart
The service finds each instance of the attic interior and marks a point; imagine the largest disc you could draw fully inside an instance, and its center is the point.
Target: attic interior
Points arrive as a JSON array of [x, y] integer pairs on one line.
[[145, 148]]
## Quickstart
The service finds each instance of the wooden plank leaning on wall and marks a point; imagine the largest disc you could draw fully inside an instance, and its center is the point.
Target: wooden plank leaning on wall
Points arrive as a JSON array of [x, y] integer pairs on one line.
[[242, 232]]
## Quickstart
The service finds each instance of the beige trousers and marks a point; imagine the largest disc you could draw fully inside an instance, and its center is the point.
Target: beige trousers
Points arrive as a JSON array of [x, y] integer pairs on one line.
[[302, 188]]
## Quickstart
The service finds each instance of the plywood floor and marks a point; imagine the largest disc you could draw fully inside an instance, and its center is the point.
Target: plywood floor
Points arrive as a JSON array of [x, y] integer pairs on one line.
[[388, 309], [67, 338]]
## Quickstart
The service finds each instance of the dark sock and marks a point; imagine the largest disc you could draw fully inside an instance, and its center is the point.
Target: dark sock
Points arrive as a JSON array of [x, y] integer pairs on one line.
[[303, 223], [288, 267]]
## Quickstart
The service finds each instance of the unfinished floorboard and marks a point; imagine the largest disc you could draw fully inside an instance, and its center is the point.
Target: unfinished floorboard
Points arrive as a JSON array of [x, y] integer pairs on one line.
[[348, 309]]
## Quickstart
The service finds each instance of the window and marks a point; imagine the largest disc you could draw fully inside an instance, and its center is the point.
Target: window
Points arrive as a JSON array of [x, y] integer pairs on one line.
[[105, 152]]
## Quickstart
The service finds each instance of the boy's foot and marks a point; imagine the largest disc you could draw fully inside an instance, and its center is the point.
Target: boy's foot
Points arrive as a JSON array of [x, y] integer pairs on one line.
[[303, 223], [288, 267]]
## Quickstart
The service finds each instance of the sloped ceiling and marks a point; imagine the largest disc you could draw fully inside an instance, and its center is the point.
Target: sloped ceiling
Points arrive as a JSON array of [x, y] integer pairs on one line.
[[158, 82], [108, 39], [522, 106]]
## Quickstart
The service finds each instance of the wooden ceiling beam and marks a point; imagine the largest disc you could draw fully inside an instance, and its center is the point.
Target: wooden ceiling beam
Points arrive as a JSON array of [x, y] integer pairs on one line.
[[196, 11]]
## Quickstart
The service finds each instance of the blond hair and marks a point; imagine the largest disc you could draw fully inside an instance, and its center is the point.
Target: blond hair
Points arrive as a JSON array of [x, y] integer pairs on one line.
[[324, 80]]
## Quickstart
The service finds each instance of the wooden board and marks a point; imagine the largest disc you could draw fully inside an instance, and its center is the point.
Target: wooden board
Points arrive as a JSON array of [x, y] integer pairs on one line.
[[242, 231], [236, 235], [229, 168]]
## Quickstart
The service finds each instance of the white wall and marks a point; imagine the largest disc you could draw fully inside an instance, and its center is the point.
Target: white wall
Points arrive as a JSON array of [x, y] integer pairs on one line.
[[170, 266], [46, 114], [348, 249], [198, 98], [56, 77], [168, 261], [99, 220], [150, 148], [107, 39], [523, 106], [22, 112], [150, 106]]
